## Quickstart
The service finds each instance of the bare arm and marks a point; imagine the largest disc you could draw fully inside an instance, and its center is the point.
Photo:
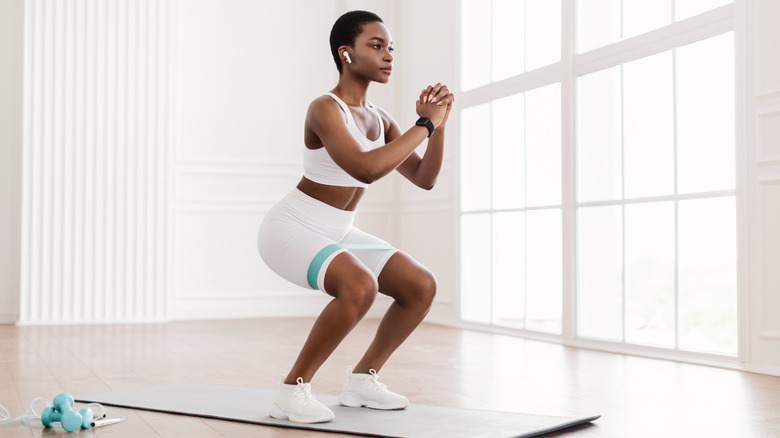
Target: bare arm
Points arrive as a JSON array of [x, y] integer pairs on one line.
[[424, 171], [326, 120]]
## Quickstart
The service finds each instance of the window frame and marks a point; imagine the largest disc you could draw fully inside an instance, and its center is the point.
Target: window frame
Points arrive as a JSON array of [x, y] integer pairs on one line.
[[567, 71]]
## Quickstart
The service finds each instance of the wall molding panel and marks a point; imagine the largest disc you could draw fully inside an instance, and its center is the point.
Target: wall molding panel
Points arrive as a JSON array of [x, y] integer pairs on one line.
[[761, 300], [98, 82]]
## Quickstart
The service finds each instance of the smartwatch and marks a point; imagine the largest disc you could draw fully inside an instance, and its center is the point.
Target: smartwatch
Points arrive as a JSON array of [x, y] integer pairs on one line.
[[424, 121]]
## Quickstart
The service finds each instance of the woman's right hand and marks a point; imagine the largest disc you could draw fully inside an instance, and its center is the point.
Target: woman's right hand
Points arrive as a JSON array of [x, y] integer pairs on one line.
[[433, 103]]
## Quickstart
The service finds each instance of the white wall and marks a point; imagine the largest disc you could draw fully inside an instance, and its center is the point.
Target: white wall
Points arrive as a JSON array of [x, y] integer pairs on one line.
[[428, 221], [248, 71], [11, 79], [759, 68], [245, 83]]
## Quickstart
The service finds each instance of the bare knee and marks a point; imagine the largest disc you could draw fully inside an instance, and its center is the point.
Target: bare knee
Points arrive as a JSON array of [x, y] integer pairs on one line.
[[419, 293], [427, 289], [359, 292]]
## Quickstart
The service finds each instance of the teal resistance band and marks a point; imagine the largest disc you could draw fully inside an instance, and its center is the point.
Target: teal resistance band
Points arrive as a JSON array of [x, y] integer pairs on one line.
[[319, 259]]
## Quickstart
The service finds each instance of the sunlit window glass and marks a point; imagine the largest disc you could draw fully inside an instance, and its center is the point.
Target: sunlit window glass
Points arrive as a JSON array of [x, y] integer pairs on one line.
[[544, 270], [543, 145], [499, 40], [509, 269], [649, 155], [705, 114], [708, 275], [600, 268], [648, 126], [508, 132], [600, 136], [664, 122], [641, 16], [649, 273], [687, 8], [598, 23], [475, 25], [542, 33], [475, 158], [508, 39], [475, 280]]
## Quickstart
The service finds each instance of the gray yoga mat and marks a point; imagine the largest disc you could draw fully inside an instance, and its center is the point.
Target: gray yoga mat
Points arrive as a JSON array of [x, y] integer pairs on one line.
[[250, 405]]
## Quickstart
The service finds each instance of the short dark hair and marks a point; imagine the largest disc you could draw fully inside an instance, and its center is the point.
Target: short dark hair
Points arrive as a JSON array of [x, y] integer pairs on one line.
[[346, 29]]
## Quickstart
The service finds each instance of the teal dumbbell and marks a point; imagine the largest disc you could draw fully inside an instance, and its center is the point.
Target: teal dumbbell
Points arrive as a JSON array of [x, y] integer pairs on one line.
[[62, 412]]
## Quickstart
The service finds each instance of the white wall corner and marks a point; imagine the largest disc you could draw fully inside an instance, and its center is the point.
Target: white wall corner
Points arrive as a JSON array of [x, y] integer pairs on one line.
[[760, 297], [11, 150]]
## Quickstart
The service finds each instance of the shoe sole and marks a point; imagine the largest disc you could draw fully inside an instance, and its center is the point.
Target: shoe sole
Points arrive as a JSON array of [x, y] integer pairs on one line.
[[352, 400], [280, 414]]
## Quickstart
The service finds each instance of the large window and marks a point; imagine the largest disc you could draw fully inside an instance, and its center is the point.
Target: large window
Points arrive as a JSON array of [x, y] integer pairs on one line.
[[646, 211], [511, 202]]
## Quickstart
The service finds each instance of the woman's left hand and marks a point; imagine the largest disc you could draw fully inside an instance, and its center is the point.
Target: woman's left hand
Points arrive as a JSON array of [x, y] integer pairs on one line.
[[440, 95], [450, 101]]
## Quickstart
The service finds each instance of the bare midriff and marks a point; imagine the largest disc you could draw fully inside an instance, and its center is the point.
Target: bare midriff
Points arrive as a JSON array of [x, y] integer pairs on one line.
[[343, 198]]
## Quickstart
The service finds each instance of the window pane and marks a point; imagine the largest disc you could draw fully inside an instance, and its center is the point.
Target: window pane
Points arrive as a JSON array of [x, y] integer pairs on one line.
[[509, 269], [542, 33], [600, 272], [508, 42], [650, 317], [641, 16], [705, 115], [475, 273], [688, 8], [599, 154], [543, 270], [648, 126], [475, 157], [543, 145], [708, 275], [475, 38], [508, 153], [598, 23]]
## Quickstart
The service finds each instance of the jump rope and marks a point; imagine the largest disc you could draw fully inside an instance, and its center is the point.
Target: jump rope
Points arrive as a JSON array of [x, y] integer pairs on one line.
[[60, 412]]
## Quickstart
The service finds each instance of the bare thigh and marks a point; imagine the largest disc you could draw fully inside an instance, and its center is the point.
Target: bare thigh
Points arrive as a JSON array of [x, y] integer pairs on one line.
[[347, 274]]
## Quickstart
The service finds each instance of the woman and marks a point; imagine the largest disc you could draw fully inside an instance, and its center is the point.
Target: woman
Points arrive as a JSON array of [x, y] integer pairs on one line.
[[308, 237]]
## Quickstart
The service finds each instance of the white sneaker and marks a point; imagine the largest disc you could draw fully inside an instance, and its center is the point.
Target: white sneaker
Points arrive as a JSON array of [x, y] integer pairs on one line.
[[365, 390], [299, 405]]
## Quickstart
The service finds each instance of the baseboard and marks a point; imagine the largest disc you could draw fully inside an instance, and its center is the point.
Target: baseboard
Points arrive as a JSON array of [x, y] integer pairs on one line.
[[770, 370], [309, 304], [8, 318], [65, 322]]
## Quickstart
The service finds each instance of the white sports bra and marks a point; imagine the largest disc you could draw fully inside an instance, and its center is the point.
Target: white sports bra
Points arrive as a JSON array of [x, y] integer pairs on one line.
[[319, 167]]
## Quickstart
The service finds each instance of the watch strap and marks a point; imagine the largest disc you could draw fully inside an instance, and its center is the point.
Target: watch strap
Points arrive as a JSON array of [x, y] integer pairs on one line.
[[424, 121]]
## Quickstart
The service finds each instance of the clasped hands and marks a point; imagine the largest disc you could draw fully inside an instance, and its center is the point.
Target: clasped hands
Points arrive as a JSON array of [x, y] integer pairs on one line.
[[435, 103]]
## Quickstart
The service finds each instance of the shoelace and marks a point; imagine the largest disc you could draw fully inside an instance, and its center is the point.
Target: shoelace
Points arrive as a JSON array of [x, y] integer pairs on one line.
[[375, 377], [305, 393]]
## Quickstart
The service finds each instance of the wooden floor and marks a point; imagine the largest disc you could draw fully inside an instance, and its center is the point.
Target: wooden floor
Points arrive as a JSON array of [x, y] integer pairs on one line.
[[636, 397]]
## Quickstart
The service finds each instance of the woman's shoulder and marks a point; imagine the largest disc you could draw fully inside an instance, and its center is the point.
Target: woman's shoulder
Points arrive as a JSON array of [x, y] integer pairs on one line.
[[324, 101], [324, 105], [323, 110]]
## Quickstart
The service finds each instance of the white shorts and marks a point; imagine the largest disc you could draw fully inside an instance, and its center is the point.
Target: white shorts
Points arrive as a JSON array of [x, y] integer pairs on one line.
[[300, 236]]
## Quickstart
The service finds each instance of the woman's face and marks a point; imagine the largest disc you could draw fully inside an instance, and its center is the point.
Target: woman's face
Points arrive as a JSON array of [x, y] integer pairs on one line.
[[372, 56]]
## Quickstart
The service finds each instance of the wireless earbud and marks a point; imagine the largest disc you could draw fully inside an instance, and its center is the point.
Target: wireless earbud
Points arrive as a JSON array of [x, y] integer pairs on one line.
[[346, 56]]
